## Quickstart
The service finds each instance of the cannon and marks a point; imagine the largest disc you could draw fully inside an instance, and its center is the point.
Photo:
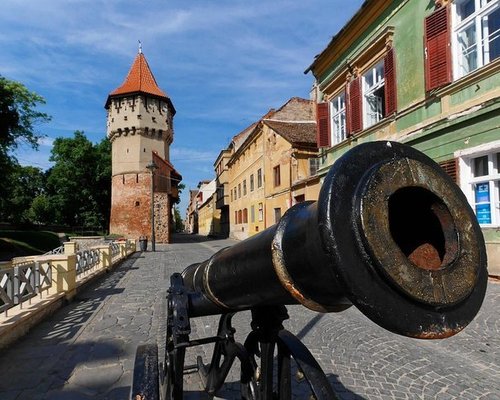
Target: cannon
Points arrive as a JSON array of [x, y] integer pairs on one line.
[[390, 233]]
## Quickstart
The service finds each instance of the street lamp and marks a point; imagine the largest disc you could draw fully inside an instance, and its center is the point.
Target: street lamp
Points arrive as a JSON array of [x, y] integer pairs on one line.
[[152, 166]]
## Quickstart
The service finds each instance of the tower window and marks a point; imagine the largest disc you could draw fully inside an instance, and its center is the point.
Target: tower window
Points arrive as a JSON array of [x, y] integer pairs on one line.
[[125, 118], [127, 150], [137, 204], [123, 179], [136, 178], [144, 150], [139, 116], [154, 119]]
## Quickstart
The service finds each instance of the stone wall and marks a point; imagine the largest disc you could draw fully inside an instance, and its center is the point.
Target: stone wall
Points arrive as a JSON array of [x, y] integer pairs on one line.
[[162, 217]]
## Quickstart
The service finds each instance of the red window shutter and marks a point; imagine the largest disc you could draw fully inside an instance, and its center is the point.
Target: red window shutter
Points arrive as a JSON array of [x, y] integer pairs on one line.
[[451, 168], [390, 83], [323, 125], [354, 111], [437, 49]]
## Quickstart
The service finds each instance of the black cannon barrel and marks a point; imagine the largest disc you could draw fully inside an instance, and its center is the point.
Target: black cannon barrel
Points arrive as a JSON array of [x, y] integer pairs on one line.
[[390, 233]]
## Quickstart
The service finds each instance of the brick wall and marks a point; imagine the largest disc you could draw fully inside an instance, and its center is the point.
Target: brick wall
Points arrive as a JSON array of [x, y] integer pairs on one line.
[[131, 208]]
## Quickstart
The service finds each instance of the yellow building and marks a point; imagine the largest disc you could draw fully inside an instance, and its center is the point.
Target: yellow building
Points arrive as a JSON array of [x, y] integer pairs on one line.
[[272, 166], [209, 218]]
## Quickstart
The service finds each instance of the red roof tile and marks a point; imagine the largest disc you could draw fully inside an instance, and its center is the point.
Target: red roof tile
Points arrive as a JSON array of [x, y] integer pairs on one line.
[[140, 79]]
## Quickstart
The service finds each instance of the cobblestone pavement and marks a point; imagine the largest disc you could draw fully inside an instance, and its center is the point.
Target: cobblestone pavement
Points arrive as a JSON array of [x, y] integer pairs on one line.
[[86, 350]]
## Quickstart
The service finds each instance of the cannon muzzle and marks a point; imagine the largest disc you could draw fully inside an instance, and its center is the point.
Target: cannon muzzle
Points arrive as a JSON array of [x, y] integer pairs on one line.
[[390, 233]]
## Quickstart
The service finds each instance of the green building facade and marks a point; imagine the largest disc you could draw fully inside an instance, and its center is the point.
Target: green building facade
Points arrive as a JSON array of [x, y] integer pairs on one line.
[[425, 73]]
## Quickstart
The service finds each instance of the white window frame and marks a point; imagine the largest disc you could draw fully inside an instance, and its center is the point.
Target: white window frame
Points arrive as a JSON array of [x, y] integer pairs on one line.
[[338, 119], [468, 182], [481, 46], [372, 114]]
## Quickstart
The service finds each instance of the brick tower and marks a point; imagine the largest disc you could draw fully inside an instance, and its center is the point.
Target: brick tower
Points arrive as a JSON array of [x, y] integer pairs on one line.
[[140, 128]]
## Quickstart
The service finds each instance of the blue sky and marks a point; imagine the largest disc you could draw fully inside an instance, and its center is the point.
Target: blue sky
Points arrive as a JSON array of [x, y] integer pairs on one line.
[[223, 63]]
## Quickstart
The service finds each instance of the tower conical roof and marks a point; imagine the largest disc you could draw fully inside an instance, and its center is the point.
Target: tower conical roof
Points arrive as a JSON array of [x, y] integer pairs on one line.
[[139, 79]]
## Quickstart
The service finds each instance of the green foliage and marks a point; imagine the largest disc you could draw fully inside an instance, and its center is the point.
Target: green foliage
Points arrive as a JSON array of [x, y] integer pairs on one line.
[[179, 223], [18, 118], [79, 184], [26, 184], [41, 210], [180, 188], [18, 115]]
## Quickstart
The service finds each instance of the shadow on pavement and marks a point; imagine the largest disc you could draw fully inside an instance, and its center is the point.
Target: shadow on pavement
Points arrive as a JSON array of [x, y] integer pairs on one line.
[[47, 358]]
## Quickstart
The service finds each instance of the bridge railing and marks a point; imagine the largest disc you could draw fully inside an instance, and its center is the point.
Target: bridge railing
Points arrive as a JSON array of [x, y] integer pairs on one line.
[[23, 282], [59, 272]]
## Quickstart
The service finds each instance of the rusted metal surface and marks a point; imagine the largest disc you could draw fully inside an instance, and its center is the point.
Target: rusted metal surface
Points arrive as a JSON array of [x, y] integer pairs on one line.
[[411, 221]]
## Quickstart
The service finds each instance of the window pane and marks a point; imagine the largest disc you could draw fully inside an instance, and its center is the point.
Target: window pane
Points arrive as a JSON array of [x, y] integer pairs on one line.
[[480, 166], [338, 118], [465, 8], [498, 163], [467, 48], [491, 32]]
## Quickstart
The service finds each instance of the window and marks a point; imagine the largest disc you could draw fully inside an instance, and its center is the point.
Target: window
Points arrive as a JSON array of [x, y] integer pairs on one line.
[[251, 183], [245, 216], [313, 166], [252, 214], [300, 198], [236, 217], [259, 178], [244, 187], [476, 34], [277, 176], [373, 95], [473, 27], [366, 100], [239, 190], [480, 180], [338, 122], [277, 215], [261, 212]]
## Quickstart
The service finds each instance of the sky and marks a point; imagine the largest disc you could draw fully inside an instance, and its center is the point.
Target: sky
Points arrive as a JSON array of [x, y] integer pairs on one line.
[[223, 63]]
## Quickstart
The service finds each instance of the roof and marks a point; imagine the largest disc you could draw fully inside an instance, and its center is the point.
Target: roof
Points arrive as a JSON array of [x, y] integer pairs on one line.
[[296, 132], [139, 79]]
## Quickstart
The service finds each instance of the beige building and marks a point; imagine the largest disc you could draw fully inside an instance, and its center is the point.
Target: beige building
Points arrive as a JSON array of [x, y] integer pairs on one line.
[[209, 217], [272, 166], [222, 190]]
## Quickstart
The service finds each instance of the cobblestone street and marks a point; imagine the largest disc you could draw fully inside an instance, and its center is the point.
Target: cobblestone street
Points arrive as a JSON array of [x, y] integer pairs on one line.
[[86, 350]]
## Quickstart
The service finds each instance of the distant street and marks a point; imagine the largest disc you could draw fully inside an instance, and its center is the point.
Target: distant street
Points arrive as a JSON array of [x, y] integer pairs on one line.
[[87, 349]]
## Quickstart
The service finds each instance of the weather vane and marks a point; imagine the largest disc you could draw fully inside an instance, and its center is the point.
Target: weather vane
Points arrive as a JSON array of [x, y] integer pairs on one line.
[[140, 47]]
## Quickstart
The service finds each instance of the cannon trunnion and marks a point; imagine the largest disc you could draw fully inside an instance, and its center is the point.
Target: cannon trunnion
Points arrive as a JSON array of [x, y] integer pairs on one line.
[[390, 234]]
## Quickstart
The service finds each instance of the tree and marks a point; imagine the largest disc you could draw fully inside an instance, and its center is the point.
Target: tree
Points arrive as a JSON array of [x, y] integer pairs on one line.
[[178, 222], [18, 115], [25, 184], [80, 180], [18, 118]]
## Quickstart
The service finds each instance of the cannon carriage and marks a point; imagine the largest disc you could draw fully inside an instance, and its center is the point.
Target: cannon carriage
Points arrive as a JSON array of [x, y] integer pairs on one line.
[[390, 234]]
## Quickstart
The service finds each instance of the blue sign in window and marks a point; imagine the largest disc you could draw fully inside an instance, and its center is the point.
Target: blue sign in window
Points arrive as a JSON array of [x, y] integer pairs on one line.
[[483, 210]]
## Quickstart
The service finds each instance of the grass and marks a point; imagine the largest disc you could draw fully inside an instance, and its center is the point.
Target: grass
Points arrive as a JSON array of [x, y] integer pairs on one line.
[[26, 243]]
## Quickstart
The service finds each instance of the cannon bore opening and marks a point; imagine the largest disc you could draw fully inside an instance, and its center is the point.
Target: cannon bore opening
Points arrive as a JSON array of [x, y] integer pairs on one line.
[[422, 227]]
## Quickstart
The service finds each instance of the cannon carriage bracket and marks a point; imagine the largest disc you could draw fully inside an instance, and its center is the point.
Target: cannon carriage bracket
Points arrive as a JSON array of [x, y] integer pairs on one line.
[[267, 350]]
